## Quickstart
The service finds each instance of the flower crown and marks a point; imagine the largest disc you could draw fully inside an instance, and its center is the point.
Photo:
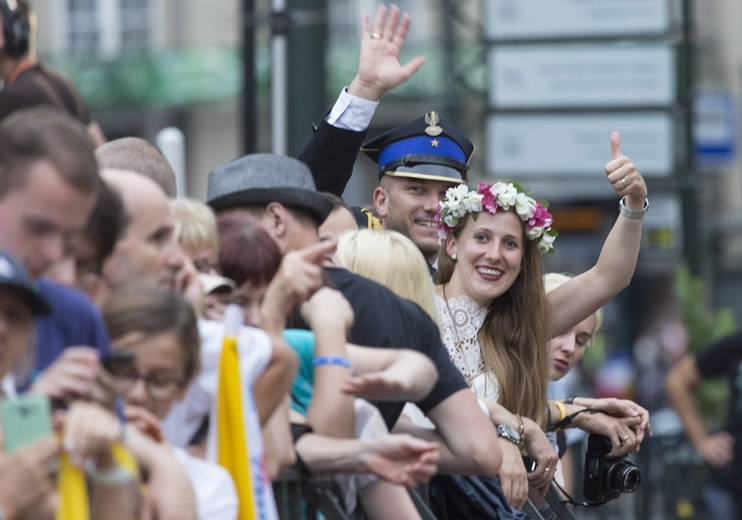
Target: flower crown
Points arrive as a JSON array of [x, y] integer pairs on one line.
[[460, 200]]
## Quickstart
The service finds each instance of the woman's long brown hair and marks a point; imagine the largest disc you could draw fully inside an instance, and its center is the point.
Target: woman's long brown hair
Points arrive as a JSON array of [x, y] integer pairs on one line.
[[514, 335]]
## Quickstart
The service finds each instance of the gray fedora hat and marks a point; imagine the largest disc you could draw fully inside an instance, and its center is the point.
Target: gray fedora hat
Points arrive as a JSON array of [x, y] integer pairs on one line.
[[262, 178]]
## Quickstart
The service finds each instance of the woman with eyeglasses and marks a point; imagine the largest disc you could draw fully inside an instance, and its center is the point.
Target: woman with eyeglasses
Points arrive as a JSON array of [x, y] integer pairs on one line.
[[159, 330]]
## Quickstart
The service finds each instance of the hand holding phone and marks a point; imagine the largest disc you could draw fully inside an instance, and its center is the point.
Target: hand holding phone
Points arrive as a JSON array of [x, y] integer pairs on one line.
[[24, 420], [71, 376], [119, 363]]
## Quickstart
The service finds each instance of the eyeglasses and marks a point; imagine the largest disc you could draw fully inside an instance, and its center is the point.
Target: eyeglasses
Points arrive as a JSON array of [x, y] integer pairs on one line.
[[157, 387]]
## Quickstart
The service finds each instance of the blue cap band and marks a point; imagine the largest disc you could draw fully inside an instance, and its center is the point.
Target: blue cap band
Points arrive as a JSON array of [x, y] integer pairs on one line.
[[421, 145]]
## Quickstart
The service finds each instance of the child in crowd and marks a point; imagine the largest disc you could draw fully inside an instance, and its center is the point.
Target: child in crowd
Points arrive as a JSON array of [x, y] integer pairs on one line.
[[159, 330]]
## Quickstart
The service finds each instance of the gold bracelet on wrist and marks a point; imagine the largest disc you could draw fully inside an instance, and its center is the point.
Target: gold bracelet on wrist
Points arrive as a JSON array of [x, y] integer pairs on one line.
[[521, 430]]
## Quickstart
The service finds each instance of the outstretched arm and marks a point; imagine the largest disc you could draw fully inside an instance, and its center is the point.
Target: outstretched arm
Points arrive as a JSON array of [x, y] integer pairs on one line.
[[401, 459], [468, 442], [331, 150], [379, 69], [584, 294], [390, 374]]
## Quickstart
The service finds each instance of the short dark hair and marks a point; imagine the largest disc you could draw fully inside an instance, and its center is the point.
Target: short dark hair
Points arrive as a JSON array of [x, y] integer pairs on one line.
[[106, 224], [140, 156], [31, 135]]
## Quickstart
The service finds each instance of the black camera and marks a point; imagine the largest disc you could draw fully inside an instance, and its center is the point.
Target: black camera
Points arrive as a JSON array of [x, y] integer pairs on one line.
[[606, 479]]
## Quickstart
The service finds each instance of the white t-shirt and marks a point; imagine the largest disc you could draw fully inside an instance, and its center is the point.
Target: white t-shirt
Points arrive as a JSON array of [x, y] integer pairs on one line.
[[255, 351], [216, 496], [186, 416]]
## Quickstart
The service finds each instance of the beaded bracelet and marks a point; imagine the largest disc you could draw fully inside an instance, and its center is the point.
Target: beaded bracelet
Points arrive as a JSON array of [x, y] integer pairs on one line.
[[331, 360]]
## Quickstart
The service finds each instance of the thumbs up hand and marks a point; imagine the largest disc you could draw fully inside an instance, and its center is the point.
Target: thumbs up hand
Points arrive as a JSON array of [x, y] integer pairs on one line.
[[625, 178]]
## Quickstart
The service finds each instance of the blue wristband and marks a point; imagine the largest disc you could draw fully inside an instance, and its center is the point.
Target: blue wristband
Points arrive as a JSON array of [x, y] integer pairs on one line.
[[331, 360]]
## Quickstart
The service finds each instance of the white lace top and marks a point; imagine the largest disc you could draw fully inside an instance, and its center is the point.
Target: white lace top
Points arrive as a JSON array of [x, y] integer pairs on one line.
[[459, 329]]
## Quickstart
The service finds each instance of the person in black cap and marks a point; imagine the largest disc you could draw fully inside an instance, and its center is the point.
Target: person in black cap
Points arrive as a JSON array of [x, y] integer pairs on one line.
[[418, 162]]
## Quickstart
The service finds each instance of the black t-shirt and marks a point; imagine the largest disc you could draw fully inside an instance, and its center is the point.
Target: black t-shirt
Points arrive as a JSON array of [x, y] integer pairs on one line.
[[383, 319], [724, 359]]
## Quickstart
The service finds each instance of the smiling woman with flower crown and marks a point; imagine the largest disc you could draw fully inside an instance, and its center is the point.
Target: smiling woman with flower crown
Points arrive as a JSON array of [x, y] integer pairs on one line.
[[495, 317]]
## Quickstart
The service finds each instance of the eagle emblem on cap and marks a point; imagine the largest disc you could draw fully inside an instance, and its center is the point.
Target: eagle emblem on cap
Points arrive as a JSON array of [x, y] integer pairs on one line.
[[432, 120]]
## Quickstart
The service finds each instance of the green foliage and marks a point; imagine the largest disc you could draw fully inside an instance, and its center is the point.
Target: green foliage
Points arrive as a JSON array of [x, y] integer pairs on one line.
[[704, 325]]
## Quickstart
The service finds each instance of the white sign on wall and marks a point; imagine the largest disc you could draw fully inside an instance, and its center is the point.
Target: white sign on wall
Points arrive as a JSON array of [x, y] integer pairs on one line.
[[534, 19], [578, 145], [584, 76]]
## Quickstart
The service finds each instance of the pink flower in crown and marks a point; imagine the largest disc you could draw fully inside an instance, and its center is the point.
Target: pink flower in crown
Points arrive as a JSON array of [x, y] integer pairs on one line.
[[541, 217], [443, 229], [489, 199]]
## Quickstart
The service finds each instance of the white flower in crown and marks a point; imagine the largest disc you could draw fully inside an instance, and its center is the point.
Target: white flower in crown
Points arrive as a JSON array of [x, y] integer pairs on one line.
[[546, 243], [458, 202], [525, 206], [491, 198], [505, 194], [534, 232], [451, 220]]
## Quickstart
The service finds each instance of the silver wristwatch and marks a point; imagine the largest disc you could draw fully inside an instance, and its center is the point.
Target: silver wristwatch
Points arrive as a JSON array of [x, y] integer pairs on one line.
[[506, 432]]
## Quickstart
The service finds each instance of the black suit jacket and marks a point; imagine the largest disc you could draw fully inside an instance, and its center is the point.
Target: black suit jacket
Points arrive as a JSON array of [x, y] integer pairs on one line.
[[330, 153]]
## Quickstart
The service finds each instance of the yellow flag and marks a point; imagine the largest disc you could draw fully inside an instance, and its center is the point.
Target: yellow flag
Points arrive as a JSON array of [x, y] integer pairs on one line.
[[231, 438], [73, 491]]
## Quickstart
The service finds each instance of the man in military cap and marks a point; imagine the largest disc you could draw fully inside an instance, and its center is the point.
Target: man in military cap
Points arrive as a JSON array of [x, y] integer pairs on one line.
[[418, 162]]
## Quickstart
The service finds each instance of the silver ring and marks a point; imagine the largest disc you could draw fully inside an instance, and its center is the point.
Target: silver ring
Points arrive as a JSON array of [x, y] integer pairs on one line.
[[547, 469], [375, 36], [625, 438], [624, 182]]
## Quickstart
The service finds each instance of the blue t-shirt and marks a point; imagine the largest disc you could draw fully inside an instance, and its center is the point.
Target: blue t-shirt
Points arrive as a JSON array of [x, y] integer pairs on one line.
[[73, 321], [302, 341]]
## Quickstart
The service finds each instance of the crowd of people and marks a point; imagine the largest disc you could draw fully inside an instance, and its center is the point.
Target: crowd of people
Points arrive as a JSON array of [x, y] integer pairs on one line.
[[185, 353]]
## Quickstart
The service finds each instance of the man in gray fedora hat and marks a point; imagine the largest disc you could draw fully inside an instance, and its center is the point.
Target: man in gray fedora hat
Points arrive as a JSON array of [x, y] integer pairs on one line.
[[279, 194]]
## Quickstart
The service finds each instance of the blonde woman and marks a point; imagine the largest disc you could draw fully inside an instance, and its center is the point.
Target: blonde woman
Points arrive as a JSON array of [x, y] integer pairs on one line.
[[391, 259], [195, 231]]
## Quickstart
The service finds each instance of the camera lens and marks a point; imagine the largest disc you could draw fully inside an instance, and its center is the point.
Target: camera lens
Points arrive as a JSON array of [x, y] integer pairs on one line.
[[624, 477]]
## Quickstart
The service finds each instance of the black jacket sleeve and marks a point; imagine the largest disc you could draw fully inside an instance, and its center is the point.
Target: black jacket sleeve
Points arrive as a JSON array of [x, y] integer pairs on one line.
[[330, 153]]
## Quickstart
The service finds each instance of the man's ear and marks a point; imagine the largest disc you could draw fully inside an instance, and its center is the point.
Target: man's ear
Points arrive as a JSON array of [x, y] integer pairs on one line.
[[381, 202], [275, 220]]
